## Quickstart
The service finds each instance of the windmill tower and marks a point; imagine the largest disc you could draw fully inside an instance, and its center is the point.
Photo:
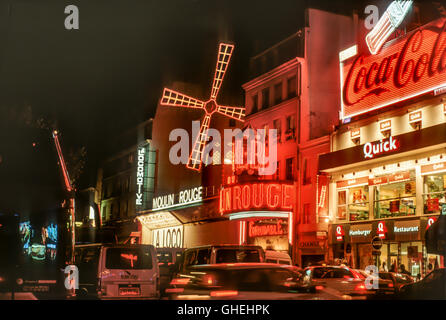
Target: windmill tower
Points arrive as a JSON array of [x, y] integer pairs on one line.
[[176, 99]]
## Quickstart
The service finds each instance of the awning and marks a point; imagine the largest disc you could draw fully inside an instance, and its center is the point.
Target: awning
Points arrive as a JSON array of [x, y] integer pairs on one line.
[[158, 220]]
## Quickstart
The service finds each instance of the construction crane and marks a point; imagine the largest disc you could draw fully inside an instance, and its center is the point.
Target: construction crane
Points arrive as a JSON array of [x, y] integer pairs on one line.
[[70, 190]]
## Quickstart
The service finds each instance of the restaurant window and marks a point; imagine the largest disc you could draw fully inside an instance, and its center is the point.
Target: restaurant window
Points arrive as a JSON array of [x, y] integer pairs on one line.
[[278, 93], [289, 169], [255, 103], [265, 98], [291, 87], [353, 204], [395, 199], [434, 195], [290, 127]]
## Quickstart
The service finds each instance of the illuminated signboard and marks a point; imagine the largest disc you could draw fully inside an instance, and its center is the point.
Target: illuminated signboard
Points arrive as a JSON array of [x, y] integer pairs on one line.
[[257, 196], [340, 233], [184, 197], [381, 230], [373, 149], [140, 172], [430, 222], [171, 237], [262, 228], [409, 67]]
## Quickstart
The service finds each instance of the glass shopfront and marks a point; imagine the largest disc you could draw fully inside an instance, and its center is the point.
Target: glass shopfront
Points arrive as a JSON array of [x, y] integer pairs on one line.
[[395, 199], [353, 202], [434, 194]]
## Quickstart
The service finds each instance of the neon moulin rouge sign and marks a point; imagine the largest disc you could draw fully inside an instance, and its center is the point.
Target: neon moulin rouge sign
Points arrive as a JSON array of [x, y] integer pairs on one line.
[[409, 67], [372, 149], [257, 196]]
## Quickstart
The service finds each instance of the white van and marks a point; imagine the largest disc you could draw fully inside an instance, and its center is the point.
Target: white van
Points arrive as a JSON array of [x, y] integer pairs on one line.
[[278, 257], [117, 271]]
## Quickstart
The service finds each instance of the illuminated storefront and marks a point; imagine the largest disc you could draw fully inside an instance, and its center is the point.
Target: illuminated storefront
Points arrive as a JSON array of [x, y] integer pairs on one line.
[[263, 210], [387, 165]]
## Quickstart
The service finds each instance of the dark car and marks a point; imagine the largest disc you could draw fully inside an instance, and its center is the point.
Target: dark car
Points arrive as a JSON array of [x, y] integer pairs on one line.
[[398, 279], [238, 281], [432, 287]]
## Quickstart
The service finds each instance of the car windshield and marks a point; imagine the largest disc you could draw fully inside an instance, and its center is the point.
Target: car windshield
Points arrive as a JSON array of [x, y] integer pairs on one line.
[[128, 258], [234, 255]]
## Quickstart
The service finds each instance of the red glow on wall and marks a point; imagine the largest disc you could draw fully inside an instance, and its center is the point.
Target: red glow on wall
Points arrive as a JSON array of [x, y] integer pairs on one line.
[[411, 66], [257, 196], [266, 229]]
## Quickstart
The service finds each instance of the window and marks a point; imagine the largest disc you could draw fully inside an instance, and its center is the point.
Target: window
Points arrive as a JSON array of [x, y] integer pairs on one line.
[[395, 199], [306, 172], [289, 169], [353, 204], [276, 175], [265, 98], [290, 127], [434, 195], [124, 258], [291, 87], [255, 103], [232, 123], [278, 93], [306, 214], [278, 127]]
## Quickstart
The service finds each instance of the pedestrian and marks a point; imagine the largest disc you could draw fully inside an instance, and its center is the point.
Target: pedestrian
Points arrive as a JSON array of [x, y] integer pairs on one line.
[[429, 268], [403, 270], [384, 267]]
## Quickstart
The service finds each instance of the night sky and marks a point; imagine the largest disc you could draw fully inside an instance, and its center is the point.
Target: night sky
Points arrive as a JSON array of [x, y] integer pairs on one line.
[[108, 76]]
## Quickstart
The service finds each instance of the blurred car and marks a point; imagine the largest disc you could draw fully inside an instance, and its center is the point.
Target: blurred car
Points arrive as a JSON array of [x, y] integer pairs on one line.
[[240, 281], [340, 279], [168, 258], [398, 279], [431, 287], [385, 286], [272, 256]]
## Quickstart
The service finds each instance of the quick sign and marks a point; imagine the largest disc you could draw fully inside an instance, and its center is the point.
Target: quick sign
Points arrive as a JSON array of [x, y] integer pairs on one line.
[[413, 65], [339, 233], [381, 230], [373, 149], [257, 196], [140, 176]]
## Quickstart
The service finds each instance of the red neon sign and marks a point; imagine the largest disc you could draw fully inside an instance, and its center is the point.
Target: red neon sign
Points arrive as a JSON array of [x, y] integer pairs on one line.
[[430, 222], [412, 66], [130, 257], [266, 230], [257, 196]]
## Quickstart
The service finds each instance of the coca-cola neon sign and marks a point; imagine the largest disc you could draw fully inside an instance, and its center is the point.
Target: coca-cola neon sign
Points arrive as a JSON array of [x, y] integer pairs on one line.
[[409, 67], [257, 196], [373, 149]]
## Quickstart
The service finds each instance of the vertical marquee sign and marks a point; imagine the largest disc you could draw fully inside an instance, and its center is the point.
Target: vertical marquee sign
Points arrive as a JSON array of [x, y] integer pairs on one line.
[[406, 68], [145, 176], [140, 174]]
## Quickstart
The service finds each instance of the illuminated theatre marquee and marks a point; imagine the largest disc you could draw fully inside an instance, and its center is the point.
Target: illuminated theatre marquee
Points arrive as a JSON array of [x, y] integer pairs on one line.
[[256, 197], [409, 67]]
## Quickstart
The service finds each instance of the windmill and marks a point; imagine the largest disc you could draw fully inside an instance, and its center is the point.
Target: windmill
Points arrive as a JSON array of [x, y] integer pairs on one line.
[[176, 99]]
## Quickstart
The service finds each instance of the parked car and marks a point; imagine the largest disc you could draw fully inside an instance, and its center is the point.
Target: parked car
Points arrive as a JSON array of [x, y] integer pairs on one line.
[[167, 258], [279, 257], [117, 271], [241, 281], [213, 254], [432, 287], [398, 279], [340, 279]]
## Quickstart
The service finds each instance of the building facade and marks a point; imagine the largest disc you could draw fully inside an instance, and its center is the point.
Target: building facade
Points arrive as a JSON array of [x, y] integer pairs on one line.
[[387, 161]]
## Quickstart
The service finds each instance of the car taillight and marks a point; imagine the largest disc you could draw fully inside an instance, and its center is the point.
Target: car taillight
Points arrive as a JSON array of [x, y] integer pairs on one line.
[[390, 285], [224, 293], [319, 287], [348, 278], [208, 280], [174, 290], [180, 281], [360, 287]]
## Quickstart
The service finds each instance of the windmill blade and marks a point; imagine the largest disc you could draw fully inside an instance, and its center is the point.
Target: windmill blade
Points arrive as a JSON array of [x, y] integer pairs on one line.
[[194, 161], [224, 55], [177, 99], [236, 113]]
